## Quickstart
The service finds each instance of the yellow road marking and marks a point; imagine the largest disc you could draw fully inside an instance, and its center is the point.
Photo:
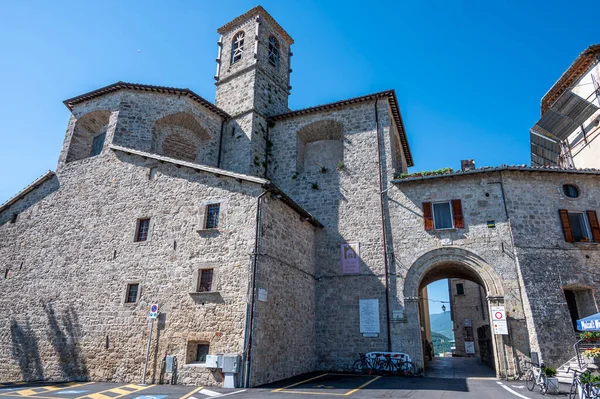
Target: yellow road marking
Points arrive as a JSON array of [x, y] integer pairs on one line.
[[298, 383], [99, 395], [363, 385], [31, 391], [191, 393]]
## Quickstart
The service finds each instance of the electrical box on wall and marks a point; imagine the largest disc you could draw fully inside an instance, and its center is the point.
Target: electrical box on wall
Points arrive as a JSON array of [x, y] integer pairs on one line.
[[212, 361], [231, 363]]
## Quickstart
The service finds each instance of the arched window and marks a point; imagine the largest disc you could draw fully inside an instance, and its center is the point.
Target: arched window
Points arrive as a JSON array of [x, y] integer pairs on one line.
[[274, 52], [237, 47]]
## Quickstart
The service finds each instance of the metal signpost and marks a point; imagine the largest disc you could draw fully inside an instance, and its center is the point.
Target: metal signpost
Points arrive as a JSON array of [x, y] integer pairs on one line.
[[152, 316]]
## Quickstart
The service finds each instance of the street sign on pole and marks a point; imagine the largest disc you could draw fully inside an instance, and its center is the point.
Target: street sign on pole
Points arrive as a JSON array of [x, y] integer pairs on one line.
[[499, 320], [153, 311], [152, 315]]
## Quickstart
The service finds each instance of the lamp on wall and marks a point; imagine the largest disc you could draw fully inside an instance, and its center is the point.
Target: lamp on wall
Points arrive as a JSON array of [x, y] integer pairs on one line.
[[444, 308]]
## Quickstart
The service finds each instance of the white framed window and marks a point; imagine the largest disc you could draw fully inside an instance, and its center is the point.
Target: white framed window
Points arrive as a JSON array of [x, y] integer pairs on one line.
[[442, 215], [580, 226]]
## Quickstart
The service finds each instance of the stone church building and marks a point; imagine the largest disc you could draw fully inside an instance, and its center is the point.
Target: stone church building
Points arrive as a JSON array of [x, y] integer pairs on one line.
[[292, 238]]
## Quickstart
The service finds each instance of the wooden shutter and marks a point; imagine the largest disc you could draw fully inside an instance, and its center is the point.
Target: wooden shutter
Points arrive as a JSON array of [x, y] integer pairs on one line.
[[428, 216], [566, 225], [593, 219], [457, 214]]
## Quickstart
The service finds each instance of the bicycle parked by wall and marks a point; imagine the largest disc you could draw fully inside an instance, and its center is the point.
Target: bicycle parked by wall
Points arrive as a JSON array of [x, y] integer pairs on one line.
[[535, 376], [584, 385], [365, 365], [383, 363]]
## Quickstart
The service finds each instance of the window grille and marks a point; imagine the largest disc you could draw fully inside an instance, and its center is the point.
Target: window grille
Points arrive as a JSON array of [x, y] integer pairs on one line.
[[460, 289], [212, 216], [237, 47], [205, 280], [142, 230], [132, 293], [274, 52]]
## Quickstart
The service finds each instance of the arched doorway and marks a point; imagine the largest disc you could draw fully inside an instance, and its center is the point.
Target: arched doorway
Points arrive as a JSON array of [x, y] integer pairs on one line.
[[455, 263]]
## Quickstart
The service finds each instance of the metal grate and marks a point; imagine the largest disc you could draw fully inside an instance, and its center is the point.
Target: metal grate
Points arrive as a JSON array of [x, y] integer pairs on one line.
[[212, 216], [142, 230], [205, 280]]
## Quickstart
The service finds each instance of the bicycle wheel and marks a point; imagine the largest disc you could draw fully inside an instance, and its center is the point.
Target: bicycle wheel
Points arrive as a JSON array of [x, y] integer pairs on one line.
[[573, 394], [359, 367], [408, 369], [543, 384], [530, 380]]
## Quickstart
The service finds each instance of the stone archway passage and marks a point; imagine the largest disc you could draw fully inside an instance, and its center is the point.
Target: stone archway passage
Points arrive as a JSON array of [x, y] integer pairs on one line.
[[442, 263]]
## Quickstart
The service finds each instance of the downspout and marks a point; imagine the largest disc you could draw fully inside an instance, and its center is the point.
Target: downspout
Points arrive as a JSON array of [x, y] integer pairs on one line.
[[383, 232], [250, 317], [220, 143], [266, 151]]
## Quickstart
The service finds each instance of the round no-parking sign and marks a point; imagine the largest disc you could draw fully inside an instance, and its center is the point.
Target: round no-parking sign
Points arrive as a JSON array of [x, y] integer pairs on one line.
[[153, 311]]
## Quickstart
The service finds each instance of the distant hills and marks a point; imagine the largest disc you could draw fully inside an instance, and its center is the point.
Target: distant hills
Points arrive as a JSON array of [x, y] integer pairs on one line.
[[441, 343], [441, 324]]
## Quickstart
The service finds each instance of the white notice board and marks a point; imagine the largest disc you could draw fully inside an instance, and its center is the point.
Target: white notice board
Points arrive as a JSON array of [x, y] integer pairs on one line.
[[369, 316]]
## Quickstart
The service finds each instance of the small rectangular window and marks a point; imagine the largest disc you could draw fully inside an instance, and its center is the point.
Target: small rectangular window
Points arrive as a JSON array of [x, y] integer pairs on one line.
[[14, 217], [142, 230], [212, 216], [132, 293], [97, 144], [205, 278], [442, 215], [460, 289]]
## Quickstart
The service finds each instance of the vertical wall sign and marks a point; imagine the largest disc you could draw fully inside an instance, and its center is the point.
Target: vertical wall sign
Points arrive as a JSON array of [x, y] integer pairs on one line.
[[369, 317], [350, 258]]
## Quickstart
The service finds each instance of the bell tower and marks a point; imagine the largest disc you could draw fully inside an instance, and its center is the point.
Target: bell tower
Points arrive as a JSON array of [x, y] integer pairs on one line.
[[253, 83]]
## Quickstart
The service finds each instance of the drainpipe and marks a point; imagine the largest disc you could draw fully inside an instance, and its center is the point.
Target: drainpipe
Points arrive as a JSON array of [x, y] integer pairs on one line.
[[220, 143], [250, 316], [383, 232], [266, 152]]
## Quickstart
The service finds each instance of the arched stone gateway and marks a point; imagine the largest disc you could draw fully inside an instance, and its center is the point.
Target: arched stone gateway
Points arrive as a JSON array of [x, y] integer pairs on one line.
[[451, 262]]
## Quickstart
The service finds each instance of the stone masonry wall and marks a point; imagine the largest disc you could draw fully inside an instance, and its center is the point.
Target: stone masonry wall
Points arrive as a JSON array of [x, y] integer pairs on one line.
[[347, 203], [548, 263], [284, 329], [424, 256], [471, 305], [72, 254]]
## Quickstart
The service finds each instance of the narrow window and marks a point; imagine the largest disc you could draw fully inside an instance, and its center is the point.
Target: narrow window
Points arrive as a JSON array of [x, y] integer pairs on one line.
[[570, 191], [132, 293], [205, 278], [442, 216], [237, 47], [97, 144], [274, 52], [14, 217], [212, 216], [201, 352], [460, 289], [572, 306], [142, 230]]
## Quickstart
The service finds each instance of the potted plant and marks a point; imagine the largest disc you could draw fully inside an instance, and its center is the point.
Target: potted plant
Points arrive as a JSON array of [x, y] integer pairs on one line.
[[584, 239], [590, 336], [553, 386]]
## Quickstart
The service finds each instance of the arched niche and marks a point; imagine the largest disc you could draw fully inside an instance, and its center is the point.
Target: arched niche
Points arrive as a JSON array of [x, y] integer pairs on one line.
[[89, 135], [319, 145], [180, 136]]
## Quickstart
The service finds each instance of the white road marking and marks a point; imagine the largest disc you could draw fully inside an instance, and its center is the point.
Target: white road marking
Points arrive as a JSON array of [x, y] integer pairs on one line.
[[208, 392], [518, 386], [511, 391], [233, 393]]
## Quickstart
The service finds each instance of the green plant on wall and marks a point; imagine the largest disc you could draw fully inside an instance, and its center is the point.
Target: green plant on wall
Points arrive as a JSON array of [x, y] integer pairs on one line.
[[314, 186], [340, 165], [443, 171], [295, 175]]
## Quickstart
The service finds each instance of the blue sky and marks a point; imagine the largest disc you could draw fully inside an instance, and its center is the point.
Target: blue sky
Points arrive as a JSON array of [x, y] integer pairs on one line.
[[469, 75], [438, 293]]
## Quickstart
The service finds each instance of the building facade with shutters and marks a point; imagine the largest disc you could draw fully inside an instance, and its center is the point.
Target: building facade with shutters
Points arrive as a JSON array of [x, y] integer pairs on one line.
[[280, 236]]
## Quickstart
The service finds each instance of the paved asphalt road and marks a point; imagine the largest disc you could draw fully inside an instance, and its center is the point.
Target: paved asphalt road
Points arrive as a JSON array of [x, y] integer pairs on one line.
[[321, 385]]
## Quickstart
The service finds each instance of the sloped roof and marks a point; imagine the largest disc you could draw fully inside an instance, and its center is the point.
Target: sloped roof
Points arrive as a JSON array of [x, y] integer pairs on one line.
[[389, 94], [21, 194], [488, 169], [248, 14], [71, 102], [578, 68], [264, 183]]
